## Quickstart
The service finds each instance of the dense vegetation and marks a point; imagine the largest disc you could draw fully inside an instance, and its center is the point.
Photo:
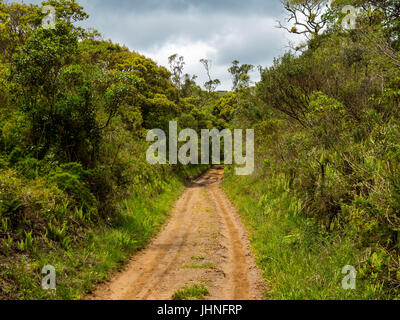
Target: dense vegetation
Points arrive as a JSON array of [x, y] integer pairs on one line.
[[77, 192], [74, 181], [327, 182]]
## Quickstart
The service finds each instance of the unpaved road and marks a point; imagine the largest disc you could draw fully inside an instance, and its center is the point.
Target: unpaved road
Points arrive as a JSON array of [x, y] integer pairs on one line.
[[203, 243]]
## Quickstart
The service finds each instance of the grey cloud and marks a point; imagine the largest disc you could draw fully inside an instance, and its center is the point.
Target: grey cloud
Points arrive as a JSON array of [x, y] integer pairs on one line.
[[230, 34], [255, 42], [240, 7], [234, 29]]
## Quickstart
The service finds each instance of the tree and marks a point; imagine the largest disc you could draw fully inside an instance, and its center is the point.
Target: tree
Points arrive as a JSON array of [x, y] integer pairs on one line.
[[56, 95], [188, 86], [211, 85], [18, 21], [288, 85], [240, 74], [177, 64], [71, 11], [67, 10], [391, 20], [306, 16]]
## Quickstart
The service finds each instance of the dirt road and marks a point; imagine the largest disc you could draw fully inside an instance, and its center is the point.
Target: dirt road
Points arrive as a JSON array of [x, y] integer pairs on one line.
[[203, 243]]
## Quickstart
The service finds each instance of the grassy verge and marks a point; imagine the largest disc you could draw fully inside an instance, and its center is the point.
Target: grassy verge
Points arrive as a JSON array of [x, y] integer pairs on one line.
[[298, 260], [195, 292], [104, 249]]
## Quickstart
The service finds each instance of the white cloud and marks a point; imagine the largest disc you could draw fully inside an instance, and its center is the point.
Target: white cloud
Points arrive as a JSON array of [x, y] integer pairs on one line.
[[220, 30], [250, 39], [192, 51]]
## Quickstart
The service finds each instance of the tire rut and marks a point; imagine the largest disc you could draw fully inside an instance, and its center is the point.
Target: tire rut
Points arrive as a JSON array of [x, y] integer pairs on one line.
[[204, 230]]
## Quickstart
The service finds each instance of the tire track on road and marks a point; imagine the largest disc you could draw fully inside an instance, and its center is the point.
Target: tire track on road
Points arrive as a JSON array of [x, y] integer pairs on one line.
[[203, 224]]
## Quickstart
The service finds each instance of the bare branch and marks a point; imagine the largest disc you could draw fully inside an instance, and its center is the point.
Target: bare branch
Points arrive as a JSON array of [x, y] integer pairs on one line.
[[306, 16]]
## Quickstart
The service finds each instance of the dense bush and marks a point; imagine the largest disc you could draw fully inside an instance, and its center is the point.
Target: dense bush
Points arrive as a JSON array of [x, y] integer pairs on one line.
[[74, 113], [330, 132]]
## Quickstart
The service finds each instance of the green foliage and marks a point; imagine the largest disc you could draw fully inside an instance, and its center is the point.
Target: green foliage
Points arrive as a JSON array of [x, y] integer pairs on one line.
[[73, 186], [327, 161], [299, 259], [226, 107], [75, 111], [102, 249], [194, 292]]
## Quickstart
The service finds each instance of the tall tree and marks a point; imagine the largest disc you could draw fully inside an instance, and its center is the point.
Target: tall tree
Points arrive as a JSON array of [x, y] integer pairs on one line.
[[240, 74], [305, 16], [177, 64], [211, 85]]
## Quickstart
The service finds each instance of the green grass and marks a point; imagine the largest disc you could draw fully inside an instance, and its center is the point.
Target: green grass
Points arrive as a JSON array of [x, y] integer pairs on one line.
[[202, 266], [298, 261], [194, 292], [103, 251], [198, 258]]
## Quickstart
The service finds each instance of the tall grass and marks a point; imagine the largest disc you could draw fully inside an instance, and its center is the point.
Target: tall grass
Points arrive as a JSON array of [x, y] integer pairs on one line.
[[298, 260]]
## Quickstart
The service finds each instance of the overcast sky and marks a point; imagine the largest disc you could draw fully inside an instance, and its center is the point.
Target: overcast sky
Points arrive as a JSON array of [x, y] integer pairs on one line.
[[219, 30]]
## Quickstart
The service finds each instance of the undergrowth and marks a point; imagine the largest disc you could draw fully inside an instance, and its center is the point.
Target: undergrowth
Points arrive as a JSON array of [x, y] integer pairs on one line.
[[103, 249], [299, 260]]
